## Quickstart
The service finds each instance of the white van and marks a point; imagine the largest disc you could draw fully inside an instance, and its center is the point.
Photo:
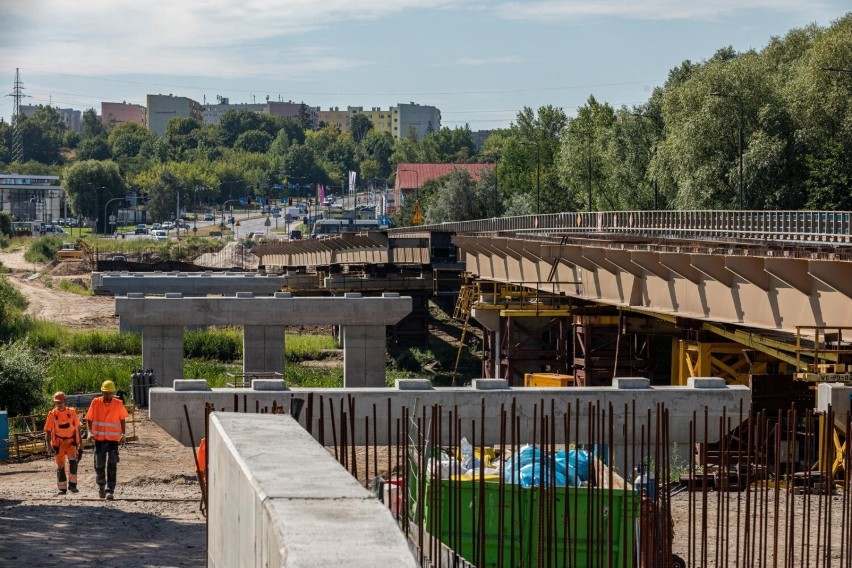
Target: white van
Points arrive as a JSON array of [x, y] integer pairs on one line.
[[160, 235], [52, 230]]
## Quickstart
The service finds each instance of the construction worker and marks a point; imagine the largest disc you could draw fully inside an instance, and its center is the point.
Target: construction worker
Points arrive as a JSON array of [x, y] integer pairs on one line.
[[62, 434], [106, 420]]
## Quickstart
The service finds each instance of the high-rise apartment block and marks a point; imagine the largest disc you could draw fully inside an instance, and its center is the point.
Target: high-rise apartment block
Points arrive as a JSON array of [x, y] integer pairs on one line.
[[398, 120], [113, 114], [163, 108]]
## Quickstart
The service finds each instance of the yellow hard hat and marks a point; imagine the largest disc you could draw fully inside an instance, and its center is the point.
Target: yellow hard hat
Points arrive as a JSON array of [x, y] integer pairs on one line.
[[59, 397], [108, 386]]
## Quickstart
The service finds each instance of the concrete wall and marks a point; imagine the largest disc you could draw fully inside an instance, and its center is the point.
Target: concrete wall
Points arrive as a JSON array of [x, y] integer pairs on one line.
[[279, 499], [417, 395]]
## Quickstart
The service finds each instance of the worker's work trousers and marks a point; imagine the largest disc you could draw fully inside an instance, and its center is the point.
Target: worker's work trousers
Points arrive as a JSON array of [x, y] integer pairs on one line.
[[106, 463], [67, 448]]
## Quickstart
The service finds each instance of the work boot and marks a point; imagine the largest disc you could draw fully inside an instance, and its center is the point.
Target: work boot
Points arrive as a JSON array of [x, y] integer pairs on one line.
[[109, 496], [60, 492], [101, 492], [73, 489]]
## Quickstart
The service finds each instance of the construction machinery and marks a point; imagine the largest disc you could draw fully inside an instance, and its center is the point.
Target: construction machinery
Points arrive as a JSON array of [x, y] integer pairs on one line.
[[78, 250]]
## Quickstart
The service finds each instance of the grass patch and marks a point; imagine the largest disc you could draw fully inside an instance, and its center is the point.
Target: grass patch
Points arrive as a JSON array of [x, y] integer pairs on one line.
[[308, 347], [68, 286], [221, 344], [310, 377]]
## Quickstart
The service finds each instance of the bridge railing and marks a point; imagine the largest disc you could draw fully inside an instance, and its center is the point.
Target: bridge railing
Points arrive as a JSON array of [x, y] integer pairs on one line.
[[809, 226]]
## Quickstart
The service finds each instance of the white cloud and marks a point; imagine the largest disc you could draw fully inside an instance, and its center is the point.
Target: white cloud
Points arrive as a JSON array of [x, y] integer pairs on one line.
[[549, 11], [184, 37]]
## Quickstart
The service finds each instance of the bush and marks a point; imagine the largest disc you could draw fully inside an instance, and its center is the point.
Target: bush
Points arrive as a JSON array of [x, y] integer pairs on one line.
[[22, 373], [43, 249]]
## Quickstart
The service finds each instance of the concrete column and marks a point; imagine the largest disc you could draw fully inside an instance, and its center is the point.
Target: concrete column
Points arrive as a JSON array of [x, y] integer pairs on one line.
[[162, 351], [363, 356], [263, 349]]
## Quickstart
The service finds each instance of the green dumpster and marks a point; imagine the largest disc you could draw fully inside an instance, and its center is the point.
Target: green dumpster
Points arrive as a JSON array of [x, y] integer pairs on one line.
[[540, 527]]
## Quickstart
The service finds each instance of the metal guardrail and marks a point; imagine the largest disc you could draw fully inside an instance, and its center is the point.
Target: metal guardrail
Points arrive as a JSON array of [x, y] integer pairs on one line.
[[799, 226]]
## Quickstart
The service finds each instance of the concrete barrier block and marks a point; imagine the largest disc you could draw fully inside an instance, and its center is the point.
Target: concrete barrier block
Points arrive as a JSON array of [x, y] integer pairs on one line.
[[245, 294], [182, 385], [268, 385], [490, 384], [283, 295], [413, 384], [631, 383], [706, 383], [390, 294], [174, 295], [136, 295], [353, 295]]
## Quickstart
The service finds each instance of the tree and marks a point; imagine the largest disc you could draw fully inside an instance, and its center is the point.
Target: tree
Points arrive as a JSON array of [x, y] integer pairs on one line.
[[42, 135], [94, 148], [253, 141], [359, 126], [128, 140], [460, 198], [92, 125], [181, 137], [447, 146], [89, 184]]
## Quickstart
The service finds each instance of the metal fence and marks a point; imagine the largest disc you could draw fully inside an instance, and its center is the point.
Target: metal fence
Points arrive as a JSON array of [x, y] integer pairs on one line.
[[795, 226]]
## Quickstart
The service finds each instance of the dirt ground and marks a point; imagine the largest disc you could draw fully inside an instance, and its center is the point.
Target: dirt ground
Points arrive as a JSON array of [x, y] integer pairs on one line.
[[52, 304], [155, 519]]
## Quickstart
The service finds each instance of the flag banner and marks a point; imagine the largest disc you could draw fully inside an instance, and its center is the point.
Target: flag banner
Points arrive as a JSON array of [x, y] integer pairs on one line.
[[353, 178], [320, 193]]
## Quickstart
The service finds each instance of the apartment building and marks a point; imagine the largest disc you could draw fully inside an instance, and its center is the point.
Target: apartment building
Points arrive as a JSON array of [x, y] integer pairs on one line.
[[72, 119], [398, 120], [416, 119], [113, 114], [163, 108]]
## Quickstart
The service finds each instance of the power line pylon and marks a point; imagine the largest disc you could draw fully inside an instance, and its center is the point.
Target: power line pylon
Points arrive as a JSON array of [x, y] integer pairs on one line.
[[17, 135]]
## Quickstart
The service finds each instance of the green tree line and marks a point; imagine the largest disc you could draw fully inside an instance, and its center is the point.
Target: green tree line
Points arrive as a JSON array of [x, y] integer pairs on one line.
[[784, 112]]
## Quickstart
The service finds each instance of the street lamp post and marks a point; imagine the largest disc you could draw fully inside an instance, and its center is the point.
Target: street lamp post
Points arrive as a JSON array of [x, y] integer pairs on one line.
[[222, 225], [737, 97], [105, 210]]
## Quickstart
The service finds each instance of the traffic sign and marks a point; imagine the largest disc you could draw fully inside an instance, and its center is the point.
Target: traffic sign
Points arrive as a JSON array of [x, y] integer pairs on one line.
[[417, 217]]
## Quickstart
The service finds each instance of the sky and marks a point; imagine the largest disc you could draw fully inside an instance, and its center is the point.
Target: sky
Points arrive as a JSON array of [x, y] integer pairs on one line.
[[479, 61]]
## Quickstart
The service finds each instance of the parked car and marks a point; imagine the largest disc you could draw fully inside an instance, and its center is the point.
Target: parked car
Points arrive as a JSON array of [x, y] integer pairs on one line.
[[209, 217], [295, 235], [141, 229], [160, 235], [168, 226], [156, 227]]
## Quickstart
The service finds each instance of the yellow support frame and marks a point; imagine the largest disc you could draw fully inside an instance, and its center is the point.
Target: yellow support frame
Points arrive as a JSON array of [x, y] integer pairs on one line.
[[701, 359], [838, 460]]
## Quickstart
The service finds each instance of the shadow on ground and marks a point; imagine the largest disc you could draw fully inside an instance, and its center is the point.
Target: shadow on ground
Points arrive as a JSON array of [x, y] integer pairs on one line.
[[55, 534]]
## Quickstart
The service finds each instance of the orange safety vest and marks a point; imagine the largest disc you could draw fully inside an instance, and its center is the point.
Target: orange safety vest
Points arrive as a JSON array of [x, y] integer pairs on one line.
[[106, 419], [62, 425]]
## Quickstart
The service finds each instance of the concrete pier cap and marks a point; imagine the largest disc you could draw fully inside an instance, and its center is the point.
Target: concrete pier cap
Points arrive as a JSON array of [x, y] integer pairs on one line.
[[363, 321]]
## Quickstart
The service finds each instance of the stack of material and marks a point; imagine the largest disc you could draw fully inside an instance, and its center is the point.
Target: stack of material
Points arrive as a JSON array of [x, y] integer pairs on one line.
[[233, 255]]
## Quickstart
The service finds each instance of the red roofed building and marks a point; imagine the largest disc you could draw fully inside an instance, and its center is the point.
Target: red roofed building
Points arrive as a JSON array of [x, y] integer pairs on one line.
[[411, 177]]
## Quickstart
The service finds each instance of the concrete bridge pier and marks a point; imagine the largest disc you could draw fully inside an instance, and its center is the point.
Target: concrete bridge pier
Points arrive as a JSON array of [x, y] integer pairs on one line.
[[363, 355], [263, 349], [162, 352]]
